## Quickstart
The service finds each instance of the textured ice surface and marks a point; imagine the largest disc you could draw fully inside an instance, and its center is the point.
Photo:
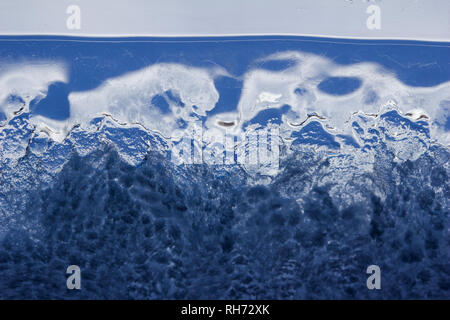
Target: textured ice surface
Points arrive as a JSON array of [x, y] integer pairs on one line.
[[86, 175]]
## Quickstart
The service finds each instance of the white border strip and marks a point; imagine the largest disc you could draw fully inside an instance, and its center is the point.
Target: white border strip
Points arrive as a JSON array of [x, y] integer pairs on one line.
[[413, 20]]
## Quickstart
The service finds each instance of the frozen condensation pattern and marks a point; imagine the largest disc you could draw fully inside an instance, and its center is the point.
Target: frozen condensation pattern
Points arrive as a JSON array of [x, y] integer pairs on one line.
[[363, 178], [158, 231]]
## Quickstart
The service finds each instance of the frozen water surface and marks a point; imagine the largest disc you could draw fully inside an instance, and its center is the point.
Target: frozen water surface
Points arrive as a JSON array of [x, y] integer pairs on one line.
[[87, 177]]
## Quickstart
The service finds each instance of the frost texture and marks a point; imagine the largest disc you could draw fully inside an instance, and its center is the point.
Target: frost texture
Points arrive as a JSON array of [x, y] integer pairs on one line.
[[156, 230], [86, 176]]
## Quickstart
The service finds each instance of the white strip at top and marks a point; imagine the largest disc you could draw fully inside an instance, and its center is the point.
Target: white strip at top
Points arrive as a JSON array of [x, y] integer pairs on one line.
[[368, 19]]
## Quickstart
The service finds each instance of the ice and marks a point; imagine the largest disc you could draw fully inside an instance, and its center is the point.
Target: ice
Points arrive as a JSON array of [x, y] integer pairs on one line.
[[361, 178]]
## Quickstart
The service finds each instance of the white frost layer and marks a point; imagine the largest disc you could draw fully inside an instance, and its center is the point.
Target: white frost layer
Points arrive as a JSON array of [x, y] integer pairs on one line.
[[309, 70], [127, 98], [28, 80]]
